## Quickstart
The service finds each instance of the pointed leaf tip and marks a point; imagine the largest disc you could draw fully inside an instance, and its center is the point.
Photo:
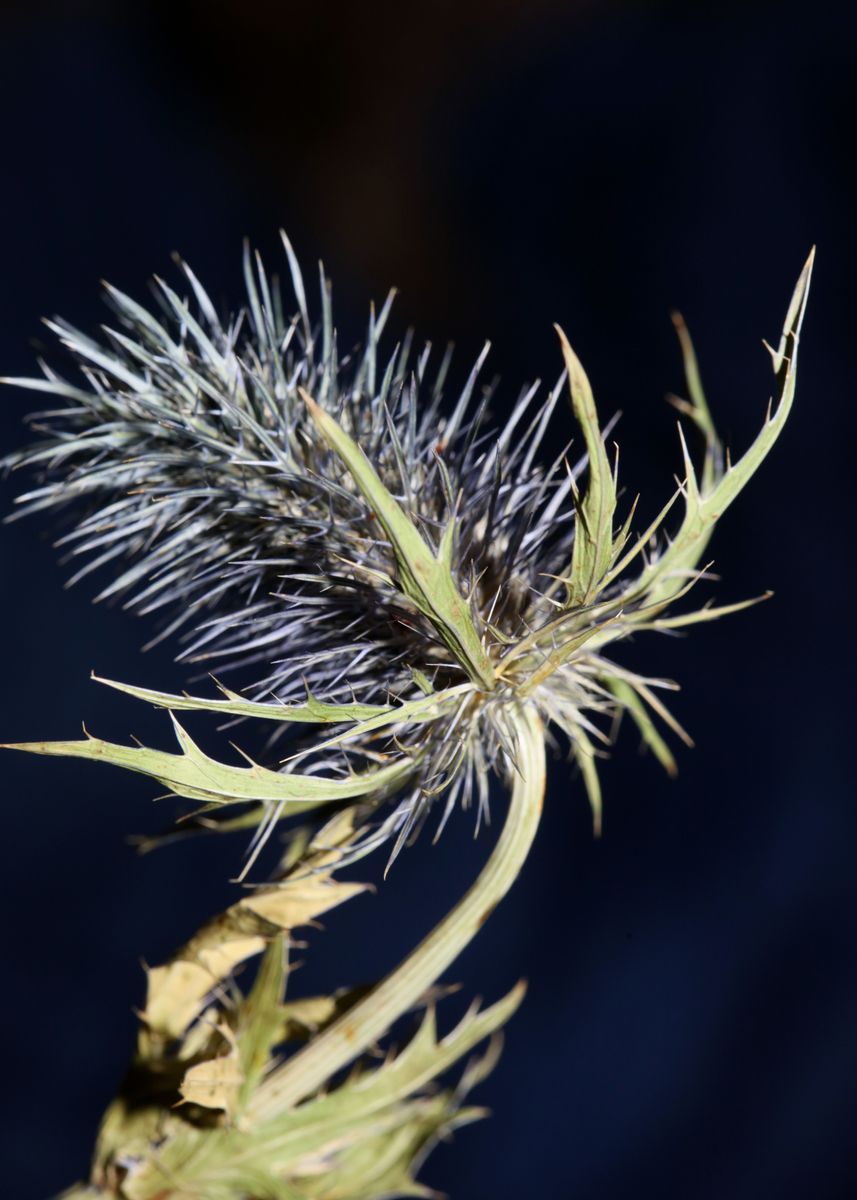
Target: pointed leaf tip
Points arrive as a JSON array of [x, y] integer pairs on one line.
[[704, 506], [593, 540]]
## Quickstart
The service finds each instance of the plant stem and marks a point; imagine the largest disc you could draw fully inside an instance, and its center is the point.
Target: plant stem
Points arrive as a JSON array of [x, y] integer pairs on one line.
[[356, 1030]]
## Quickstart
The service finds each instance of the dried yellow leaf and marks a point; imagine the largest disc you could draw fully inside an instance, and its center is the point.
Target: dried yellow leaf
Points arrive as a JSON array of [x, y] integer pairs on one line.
[[216, 1082]]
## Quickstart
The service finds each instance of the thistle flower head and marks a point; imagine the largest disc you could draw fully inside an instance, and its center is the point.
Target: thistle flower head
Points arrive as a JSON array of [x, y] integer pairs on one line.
[[432, 589], [366, 554]]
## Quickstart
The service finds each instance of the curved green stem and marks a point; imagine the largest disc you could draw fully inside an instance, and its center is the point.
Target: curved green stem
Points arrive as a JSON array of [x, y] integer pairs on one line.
[[356, 1030]]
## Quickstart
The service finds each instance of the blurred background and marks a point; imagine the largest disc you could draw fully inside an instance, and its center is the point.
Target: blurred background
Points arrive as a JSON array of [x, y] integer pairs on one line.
[[689, 1030]]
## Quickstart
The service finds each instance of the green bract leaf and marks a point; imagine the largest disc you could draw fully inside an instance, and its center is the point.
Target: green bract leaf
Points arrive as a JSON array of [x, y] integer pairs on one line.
[[314, 712], [708, 612], [426, 578], [704, 505], [593, 538], [194, 775], [364, 718]]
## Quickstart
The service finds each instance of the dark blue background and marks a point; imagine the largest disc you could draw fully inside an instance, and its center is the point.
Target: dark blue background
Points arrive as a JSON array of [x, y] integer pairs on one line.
[[689, 1030]]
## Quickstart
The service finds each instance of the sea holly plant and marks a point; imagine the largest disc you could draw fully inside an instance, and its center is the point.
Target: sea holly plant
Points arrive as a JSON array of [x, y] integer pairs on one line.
[[413, 600]]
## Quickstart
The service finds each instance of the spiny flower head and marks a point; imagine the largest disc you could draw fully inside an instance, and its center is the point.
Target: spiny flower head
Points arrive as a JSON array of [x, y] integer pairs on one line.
[[369, 556]]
